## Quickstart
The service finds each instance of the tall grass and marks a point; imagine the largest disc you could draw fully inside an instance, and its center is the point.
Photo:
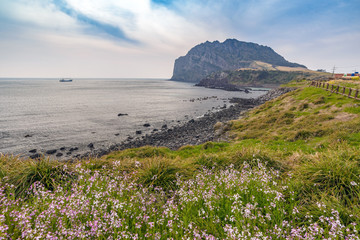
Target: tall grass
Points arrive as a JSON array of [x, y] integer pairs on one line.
[[22, 174], [335, 173], [244, 203]]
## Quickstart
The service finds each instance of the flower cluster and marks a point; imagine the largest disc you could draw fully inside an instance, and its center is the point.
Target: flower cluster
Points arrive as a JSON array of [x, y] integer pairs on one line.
[[249, 203]]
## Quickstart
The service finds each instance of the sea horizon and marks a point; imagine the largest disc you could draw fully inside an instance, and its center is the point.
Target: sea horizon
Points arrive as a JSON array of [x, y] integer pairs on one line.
[[44, 114]]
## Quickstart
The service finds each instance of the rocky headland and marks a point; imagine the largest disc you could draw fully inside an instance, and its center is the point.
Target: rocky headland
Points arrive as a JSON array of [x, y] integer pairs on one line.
[[209, 57]]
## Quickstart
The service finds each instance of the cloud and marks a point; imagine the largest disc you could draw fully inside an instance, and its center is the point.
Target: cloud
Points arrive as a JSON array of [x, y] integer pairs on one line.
[[153, 33], [95, 26]]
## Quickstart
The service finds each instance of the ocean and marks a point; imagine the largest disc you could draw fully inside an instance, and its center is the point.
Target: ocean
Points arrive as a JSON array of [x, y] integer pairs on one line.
[[47, 114]]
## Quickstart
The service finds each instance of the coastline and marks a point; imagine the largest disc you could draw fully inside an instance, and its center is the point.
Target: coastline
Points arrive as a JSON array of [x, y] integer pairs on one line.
[[193, 132], [64, 119]]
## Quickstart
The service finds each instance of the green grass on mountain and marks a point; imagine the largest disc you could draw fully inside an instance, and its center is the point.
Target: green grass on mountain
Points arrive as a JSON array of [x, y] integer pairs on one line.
[[307, 116], [268, 77], [291, 169]]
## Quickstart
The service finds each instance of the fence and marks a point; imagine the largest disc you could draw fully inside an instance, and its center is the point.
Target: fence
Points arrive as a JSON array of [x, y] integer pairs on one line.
[[346, 91]]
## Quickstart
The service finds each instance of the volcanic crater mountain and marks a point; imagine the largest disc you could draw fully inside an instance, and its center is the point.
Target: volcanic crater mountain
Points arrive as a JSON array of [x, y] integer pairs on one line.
[[209, 57]]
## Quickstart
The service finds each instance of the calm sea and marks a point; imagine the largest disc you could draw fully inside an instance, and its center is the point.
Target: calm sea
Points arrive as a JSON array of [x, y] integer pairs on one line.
[[46, 114]]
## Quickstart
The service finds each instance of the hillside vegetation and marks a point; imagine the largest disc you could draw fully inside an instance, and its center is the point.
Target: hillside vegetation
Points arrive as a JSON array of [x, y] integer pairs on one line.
[[258, 77], [290, 170]]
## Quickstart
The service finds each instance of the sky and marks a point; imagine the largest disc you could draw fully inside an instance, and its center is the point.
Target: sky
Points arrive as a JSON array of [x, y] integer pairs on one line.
[[142, 38]]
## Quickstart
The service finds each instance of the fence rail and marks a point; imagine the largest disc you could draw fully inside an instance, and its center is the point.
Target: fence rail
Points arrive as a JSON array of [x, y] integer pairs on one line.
[[345, 91]]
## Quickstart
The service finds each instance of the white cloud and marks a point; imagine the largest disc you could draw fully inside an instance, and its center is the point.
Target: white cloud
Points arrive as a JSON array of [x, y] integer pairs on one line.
[[37, 14], [49, 39]]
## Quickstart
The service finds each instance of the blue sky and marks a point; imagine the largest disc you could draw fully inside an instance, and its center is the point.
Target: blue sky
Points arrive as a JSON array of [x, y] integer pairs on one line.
[[142, 38]]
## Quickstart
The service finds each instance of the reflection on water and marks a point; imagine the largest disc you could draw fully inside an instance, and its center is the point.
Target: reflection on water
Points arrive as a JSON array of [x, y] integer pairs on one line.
[[44, 113]]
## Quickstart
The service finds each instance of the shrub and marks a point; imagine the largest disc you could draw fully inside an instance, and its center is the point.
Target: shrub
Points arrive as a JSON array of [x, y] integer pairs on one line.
[[333, 173], [302, 134], [161, 172], [49, 173], [303, 106], [320, 100]]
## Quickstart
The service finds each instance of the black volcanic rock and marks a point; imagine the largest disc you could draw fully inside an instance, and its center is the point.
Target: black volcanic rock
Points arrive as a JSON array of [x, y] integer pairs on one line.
[[50, 152], [35, 156], [210, 57], [73, 149]]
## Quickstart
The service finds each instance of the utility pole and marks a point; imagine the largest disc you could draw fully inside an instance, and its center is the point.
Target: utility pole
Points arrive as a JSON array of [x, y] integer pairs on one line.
[[333, 71]]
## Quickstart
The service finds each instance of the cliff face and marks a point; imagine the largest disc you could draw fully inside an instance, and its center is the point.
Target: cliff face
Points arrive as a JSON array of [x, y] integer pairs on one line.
[[210, 57]]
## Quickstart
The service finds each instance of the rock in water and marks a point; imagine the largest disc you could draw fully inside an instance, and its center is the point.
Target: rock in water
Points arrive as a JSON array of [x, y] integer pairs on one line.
[[50, 152], [73, 149]]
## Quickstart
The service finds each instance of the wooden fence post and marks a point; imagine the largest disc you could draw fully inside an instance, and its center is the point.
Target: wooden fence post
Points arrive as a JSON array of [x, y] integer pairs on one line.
[[336, 89]]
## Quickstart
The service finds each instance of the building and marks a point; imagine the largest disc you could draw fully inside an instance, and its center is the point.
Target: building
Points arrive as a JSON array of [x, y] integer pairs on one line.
[[338, 75]]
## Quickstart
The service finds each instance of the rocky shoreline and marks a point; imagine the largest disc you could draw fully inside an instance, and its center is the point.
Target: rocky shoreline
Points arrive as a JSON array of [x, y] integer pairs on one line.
[[220, 84], [197, 131], [193, 132]]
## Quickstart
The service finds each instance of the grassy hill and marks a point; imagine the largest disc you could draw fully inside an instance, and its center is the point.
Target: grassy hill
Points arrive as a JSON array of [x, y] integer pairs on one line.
[[290, 170], [263, 76]]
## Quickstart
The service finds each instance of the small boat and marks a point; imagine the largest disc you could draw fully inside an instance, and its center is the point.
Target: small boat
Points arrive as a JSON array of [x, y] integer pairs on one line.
[[65, 80]]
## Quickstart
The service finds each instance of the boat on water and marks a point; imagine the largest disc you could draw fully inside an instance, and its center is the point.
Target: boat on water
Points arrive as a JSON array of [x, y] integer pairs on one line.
[[65, 80]]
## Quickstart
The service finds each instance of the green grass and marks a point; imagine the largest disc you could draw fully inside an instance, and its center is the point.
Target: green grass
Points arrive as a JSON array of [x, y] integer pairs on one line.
[[346, 83], [24, 173], [292, 162]]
